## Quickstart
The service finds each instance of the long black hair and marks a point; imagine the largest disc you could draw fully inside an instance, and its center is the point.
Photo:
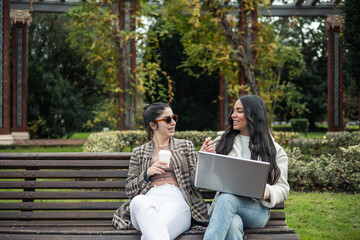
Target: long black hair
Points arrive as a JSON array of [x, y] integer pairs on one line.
[[150, 113], [261, 143]]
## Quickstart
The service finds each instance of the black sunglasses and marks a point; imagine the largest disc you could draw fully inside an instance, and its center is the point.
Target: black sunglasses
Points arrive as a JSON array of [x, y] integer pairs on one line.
[[168, 119]]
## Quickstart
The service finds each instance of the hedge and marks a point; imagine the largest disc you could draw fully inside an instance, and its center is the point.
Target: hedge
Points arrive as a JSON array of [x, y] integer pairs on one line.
[[116, 141], [328, 172], [329, 143]]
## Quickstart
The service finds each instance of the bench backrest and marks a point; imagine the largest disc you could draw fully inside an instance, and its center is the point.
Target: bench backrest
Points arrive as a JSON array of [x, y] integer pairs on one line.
[[67, 186]]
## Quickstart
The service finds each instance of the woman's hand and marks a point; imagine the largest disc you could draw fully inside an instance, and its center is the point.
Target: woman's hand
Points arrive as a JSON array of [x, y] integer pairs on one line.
[[208, 146], [156, 168], [266, 194]]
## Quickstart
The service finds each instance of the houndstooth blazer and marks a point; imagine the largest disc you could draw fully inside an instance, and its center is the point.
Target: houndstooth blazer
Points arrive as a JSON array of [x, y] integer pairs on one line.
[[184, 158]]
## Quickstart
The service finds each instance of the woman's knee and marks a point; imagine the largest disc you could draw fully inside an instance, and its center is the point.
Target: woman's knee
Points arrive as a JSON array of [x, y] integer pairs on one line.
[[226, 198], [137, 201]]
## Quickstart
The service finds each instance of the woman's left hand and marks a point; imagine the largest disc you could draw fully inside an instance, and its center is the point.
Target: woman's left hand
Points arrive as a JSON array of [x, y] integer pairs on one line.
[[266, 194]]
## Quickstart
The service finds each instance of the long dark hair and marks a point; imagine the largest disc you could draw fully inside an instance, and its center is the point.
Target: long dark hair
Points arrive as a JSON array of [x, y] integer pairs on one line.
[[261, 143], [150, 113]]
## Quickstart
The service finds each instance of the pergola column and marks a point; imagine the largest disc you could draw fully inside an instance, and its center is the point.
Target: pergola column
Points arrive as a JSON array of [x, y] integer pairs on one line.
[[334, 24], [248, 25], [127, 101], [5, 136], [20, 20]]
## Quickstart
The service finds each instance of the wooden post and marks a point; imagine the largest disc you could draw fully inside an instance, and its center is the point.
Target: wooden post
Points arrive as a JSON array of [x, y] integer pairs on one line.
[[335, 78], [5, 136], [127, 104]]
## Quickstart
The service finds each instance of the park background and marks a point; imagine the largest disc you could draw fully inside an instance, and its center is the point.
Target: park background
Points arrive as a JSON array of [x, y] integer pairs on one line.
[[74, 93]]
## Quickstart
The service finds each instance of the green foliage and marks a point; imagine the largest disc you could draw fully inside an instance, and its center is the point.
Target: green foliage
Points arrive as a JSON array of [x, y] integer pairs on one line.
[[284, 138], [351, 70], [311, 85], [352, 44], [62, 92], [37, 128], [195, 98], [275, 57], [212, 43], [95, 33], [91, 31], [329, 144], [106, 115], [329, 172], [299, 124]]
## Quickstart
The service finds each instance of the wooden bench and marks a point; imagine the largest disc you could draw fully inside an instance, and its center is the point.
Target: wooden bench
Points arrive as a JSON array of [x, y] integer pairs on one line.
[[74, 195]]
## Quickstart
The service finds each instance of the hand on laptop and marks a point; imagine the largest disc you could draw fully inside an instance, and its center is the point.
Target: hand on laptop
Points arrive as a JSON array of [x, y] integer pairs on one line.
[[208, 146], [266, 194]]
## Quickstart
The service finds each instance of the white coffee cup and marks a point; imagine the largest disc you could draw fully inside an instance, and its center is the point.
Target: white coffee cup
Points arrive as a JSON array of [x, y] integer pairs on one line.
[[164, 156]]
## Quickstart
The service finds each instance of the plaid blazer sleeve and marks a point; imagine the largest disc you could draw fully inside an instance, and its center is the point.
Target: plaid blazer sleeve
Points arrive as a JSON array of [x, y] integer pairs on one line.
[[135, 183]]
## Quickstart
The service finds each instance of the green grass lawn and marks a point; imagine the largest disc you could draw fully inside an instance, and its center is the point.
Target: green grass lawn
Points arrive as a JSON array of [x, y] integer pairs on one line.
[[41, 149], [324, 215], [80, 135]]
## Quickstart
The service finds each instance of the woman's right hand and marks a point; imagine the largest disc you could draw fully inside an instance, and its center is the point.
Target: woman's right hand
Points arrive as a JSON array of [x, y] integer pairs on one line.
[[156, 168], [208, 146]]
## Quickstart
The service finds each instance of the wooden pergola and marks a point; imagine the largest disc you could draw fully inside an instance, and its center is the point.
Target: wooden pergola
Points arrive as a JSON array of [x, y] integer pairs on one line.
[[17, 14]]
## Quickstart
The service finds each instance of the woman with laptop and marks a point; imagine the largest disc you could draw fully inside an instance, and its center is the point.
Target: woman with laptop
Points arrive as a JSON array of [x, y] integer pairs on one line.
[[247, 136], [161, 193]]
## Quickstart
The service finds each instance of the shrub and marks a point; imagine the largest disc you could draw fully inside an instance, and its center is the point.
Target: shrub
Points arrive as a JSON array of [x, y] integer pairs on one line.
[[330, 143], [197, 137], [285, 138], [339, 173], [299, 124], [116, 141]]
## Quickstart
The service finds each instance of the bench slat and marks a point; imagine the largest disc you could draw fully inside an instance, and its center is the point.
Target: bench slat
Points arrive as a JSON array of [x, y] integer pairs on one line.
[[61, 184], [128, 236], [99, 224], [61, 164], [279, 236], [56, 215], [60, 205], [65, 174], [82, 215], [96, 156], [65, 195]]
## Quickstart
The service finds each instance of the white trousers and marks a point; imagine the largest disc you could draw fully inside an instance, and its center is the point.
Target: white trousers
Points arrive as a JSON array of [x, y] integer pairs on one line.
[[160, 214]]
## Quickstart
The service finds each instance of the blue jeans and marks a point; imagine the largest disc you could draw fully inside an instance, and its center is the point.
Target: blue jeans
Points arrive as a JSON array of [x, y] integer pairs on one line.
[[231, 214]]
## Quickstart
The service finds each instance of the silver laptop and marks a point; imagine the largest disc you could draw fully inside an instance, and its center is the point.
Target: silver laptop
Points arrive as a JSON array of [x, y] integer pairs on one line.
[[238, 176]]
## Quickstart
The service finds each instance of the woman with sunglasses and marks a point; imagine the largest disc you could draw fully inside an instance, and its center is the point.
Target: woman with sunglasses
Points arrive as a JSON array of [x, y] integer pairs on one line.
[[247, 136], [163, 199]]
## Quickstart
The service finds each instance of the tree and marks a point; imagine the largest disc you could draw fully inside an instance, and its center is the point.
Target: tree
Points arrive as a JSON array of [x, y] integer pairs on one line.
[[311, 84], [96, 33], [194, 97], [62, 93], [352, 46], [213, 41]]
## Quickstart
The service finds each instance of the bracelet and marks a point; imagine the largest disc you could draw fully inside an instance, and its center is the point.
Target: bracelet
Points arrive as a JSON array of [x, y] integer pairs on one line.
[[145, 176]]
